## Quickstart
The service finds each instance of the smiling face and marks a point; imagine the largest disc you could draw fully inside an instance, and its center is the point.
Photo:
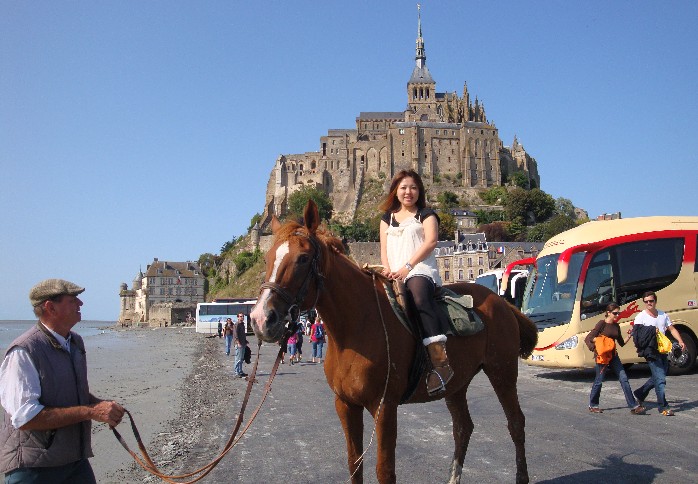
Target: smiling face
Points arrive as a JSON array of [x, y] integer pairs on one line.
[[407, 192]]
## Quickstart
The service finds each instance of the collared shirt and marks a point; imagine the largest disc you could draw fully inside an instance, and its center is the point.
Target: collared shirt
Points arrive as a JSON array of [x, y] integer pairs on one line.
[[20, 387]]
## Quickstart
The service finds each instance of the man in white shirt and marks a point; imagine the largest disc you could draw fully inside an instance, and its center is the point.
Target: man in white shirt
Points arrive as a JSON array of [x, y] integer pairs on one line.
[[45, 435], [658, 362]]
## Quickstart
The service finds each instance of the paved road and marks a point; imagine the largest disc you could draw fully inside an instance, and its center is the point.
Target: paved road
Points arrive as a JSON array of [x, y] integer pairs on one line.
[[297, 436]]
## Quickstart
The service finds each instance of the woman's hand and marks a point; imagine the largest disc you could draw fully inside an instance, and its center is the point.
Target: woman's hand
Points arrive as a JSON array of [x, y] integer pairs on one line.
[[400, 275]]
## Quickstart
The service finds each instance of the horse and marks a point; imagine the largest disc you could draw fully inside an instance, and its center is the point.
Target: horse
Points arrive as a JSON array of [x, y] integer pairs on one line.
[[369, 357]]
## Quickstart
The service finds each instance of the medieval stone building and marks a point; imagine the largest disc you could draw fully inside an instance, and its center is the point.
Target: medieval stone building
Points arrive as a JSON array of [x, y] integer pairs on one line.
[[167, 293], [445, 137]]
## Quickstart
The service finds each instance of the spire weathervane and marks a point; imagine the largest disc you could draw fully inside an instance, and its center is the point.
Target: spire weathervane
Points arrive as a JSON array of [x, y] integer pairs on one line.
[[421, 56]]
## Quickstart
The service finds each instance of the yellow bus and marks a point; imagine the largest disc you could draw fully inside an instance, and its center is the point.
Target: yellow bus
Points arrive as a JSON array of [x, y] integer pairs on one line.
[[580, 271]]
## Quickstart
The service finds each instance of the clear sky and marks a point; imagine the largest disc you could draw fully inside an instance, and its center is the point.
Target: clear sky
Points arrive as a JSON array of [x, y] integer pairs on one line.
[[131, 130]]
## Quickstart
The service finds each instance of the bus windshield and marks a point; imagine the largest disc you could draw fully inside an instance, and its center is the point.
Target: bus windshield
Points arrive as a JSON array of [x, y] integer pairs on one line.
[[545, 301]]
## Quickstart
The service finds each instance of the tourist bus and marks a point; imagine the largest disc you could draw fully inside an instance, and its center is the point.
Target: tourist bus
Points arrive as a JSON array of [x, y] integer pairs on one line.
[[209, 314], [580, 271], [514, 289]]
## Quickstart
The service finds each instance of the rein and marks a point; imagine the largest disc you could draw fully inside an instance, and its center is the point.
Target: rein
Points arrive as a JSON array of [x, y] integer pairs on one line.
[[146, 462]]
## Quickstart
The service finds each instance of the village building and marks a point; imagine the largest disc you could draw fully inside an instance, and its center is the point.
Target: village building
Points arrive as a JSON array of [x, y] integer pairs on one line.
[[167, 293]]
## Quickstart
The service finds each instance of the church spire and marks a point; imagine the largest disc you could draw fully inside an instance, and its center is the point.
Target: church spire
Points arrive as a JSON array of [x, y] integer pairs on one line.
[[421, 57]]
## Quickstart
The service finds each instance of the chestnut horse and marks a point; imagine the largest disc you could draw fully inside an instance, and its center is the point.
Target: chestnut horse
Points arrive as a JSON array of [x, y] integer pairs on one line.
[[305, 268]]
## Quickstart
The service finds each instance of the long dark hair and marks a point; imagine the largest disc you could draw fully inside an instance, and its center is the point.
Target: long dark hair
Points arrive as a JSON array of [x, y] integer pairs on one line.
[[391, 203]]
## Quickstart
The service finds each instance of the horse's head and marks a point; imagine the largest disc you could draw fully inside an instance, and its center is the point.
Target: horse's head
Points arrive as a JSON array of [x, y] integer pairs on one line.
[[293, 277]]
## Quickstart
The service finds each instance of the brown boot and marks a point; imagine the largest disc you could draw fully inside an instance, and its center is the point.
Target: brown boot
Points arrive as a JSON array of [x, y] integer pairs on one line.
[[442, 372]]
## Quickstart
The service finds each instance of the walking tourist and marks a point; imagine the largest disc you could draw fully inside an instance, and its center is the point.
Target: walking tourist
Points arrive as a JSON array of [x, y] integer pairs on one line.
[[647, 323], [291, 344], [602, 341], [240, 345], [299, 342], [228, 331], [46, 432], [408, 235], [317, 339]]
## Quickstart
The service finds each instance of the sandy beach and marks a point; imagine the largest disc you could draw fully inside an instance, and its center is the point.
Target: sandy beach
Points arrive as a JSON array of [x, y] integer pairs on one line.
[[172, 380]]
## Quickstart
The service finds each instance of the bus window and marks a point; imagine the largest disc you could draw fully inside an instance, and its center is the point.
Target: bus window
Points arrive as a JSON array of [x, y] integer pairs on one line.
[[598, 285], [649, 265], [545, 301]]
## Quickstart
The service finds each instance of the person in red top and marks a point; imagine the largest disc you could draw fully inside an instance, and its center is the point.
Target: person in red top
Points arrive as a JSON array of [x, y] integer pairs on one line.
[[609, 327], [317, 338]]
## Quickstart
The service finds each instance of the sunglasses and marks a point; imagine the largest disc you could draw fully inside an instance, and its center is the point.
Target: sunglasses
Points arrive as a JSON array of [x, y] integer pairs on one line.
[[649, 301]]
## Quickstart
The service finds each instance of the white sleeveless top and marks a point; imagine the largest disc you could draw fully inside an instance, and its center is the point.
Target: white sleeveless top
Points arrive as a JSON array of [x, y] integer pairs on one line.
[[402, 242]]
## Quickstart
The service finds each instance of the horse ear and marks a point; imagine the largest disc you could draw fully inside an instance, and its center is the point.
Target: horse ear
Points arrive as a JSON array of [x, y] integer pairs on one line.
[[275, 224], [311, 217]]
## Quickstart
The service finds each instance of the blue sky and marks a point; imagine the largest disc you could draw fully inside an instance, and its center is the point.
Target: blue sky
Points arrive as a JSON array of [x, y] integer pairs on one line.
[[131, 130]]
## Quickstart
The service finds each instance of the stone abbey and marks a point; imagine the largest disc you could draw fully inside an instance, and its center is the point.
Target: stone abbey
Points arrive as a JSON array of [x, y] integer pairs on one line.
[[446, 138]]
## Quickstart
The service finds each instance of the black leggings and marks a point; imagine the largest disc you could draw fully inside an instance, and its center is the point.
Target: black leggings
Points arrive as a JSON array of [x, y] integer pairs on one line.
[[422, 290]]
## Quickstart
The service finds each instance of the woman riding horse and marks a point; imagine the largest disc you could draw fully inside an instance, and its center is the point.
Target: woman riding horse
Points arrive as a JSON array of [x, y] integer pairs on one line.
[[368, 361], [408, 233]]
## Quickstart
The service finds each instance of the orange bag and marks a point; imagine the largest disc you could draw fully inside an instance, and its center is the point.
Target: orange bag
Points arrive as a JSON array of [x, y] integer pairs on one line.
[[605, 347]]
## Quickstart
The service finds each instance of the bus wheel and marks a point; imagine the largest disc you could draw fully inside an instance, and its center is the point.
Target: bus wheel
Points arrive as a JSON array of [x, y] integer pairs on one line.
[[683, 363]]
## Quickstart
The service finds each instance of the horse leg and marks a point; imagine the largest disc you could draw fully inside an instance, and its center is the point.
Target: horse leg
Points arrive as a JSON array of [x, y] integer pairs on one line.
[[386, 433], [352, 420], [457, 404], [503, 380]]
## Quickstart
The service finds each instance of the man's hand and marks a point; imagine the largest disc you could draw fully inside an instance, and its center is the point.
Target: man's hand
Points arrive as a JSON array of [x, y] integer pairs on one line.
[[108, 412]]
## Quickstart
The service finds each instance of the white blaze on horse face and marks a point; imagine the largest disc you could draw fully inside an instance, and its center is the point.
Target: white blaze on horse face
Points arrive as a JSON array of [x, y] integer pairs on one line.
[[258, 314]]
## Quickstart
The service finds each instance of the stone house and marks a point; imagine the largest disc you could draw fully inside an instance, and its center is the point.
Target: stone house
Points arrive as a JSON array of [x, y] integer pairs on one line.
[[165, 294]]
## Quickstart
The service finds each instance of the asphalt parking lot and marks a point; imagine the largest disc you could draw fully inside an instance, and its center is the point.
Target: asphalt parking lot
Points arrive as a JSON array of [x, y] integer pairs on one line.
[[297, 436]]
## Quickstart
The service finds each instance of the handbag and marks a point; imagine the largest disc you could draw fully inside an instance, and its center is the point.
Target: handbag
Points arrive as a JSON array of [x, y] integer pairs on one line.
[[605, 347], [663, 343]]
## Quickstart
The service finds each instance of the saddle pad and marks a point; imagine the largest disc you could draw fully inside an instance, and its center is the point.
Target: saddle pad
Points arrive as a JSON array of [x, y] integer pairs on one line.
[[463, 320]]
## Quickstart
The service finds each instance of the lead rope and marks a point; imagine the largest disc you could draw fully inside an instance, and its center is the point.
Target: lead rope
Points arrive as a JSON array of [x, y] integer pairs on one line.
[[146, 463], [359, 461]]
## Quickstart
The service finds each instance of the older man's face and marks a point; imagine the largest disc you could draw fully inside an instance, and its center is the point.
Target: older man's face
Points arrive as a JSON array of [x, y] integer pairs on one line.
[[67, 309]]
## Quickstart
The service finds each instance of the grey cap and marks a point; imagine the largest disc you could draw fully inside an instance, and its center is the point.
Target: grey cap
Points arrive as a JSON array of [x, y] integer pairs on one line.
[[51, 288]]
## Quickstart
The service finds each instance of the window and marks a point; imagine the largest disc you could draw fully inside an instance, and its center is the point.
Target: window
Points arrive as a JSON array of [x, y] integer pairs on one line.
[[401, 131], [623, 272], [447, 275], [460, 274], [447, 263]]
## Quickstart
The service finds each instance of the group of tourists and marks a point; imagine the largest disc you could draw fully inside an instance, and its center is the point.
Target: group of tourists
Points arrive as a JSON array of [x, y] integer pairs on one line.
[[315, 330], [648, 326]]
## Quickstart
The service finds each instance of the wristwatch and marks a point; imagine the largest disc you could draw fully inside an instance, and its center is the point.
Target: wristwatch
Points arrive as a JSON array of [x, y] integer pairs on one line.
[[409, 266]]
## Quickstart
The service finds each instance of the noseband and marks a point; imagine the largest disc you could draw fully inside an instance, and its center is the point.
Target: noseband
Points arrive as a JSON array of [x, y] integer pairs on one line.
[[294, 302]]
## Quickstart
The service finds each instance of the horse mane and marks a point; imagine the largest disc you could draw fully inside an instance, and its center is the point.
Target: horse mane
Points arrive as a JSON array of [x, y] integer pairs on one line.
[[329, 243]]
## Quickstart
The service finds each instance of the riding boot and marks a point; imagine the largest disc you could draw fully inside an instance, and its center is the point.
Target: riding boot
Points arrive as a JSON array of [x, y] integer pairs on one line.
[[441, 372]]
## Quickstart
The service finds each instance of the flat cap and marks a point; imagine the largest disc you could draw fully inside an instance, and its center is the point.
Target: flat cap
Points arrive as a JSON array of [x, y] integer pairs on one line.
[[52, 287]]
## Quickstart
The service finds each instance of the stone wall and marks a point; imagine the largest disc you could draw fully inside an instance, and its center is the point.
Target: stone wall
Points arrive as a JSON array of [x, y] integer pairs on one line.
[[171, 313]]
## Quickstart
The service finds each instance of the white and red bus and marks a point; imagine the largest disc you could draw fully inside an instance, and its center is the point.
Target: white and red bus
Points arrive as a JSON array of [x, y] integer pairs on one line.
[[580, 271]]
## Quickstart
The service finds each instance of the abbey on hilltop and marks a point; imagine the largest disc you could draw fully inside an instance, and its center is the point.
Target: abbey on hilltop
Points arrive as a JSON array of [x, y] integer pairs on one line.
[[446, 138]]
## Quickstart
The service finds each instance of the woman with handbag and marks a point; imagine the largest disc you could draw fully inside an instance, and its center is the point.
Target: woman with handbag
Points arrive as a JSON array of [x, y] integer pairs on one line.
[[658, 362], [602, 341]]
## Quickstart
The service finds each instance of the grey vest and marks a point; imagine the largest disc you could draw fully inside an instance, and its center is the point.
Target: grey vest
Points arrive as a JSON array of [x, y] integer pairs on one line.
[[63, 379]]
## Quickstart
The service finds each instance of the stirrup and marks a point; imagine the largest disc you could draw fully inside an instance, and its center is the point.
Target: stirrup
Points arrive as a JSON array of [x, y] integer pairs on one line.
[[439, 389]]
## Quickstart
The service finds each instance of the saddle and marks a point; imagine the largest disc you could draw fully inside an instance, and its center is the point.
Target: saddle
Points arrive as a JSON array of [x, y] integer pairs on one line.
[[463, 320]]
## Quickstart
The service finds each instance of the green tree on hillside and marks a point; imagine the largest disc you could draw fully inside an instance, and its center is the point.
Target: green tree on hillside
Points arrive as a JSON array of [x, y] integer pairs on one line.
[[208, 263], [529, 207], [447, 200], [494, 195], [299, 199]]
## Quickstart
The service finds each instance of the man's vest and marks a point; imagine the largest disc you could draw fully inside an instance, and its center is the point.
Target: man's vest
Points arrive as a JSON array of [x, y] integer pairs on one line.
[[63, 378]]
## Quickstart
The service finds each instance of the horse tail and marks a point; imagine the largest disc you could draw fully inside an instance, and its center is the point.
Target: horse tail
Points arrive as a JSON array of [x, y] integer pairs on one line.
[[528, 333]]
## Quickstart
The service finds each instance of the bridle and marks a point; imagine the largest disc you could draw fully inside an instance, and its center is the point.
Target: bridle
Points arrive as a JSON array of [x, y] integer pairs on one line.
[[295, 302]]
